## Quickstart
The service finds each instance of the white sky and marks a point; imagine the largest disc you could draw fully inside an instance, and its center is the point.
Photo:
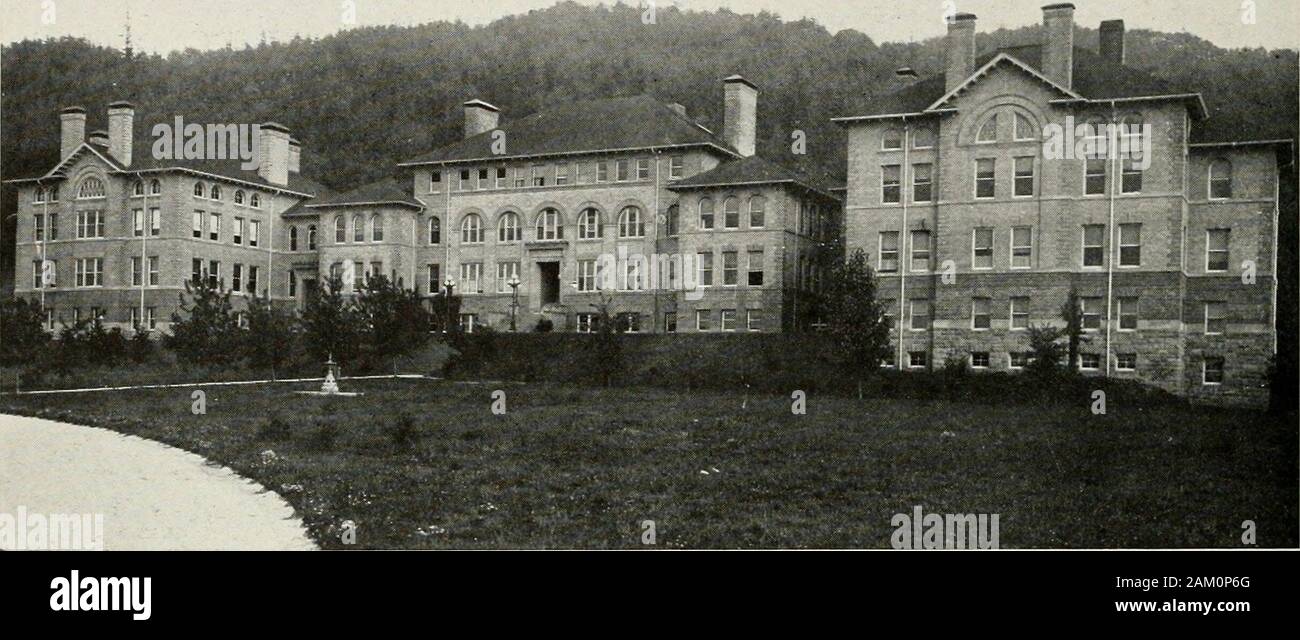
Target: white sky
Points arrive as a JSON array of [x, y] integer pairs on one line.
[[161, 26]]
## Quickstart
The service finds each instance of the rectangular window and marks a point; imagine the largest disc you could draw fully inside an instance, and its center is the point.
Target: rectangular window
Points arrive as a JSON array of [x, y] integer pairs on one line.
[[237, 234], [151, 317], [484, 178], [756, 268], [137, 222], [624, 170], [643, 169], [754, 319], [1094, 177], [506, 271], [1094, 237], [1024, 177], [1126, 361], [1018, 359], [254, 232], [1216, 318], [466, 181], [196, 271], [1089, 361], [730, 268], [985, 178], [920, 250], [980, 316], [471, 277], [155, 221], [602, 171], [728, 320], [920, 313], [468, 321], [198, 224], [921, 182], [1092, 308], [1019, 313], [38, 228], [521, 177], [502, 178], [435, 182], [586, 275], [214, 273], [251, 285], [889, 184], [53, 226], [1022, 247], [89, 272], [1131, 180], [982, 248], [916, 359], [586, 322], [703, 320], [1130, 245], [236, 277], [137, 271], [1128, 313], [214, 226], [432, 274], [561, 174], [979, 359], [670, 322], [1216, 249], [706, 269], [1212, 370], [888, 252], [38, 274], [539, 175], [90, 224], [676, 168]]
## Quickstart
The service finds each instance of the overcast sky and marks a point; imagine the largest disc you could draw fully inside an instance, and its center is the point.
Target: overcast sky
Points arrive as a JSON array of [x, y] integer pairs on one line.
[[161, 26]]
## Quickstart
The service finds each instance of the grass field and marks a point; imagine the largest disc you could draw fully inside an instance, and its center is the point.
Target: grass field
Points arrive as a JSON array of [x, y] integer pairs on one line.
[[583, 468]]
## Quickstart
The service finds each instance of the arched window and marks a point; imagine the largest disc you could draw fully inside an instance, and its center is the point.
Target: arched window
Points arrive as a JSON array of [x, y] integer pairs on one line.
[[155, 187], [757, 211], [508, 228], [706, 213], [255, 200], [137, 188], [53, 194], [311, 237], [630, 223], [589, 227], [91, 187], [435, 230], [471, 229], [239, 196], [731, 212], [674, 219], [340, 230], [293, 238], [40, 194], [923, 138], [215, 194], [377, 228], [548, 225], [198, 190], [1220, 179], [893, 139], [989, 130], [358, 228]]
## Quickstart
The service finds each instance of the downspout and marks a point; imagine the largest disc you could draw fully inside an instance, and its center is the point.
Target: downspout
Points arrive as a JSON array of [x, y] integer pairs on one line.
[[652, 266], [146, 225], [270, 250], [904, 244], [1116, 179], [45, 240]]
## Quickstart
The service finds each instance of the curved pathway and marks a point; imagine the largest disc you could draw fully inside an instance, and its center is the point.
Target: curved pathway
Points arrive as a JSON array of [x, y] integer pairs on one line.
[[152, 496]]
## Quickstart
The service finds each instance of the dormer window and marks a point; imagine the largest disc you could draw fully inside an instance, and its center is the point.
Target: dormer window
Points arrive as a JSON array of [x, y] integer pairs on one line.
[[239, 196], [137, 189], [1025, 129], [215, 194], [198, 190], [155, 188], [91, 187], [40, 195], [892, 140], [255, 200], [989, 131]]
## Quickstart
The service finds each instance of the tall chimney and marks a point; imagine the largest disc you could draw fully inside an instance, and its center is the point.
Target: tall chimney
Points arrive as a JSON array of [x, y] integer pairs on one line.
[[740, 114], [295, 156], [72, 130], [1112, 42], [121, 124], [960, 50], [1058, 43], [273, 165], [479, 117]]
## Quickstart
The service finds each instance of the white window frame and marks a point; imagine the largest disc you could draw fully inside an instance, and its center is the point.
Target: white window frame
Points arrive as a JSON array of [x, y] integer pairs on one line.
[[1205, 369], [1013, 311], [1227, 251], [1119, 262], [1083, 243], [1013, 247], [974, 236], [988, 313], [1223, 316], [976, 192]]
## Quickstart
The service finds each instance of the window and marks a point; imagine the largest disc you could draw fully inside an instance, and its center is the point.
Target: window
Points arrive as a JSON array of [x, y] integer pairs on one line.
[[674, 219], [1019, 313], [730, 268], [506, 271], [632, 279], [1019, 360], [1089, 361], [471, 277], [1128, 313], [39, 274], [1022, 247], [198, 224], [1220, 179], [1025, 129], [137, 188], [921, 179], [920, 250], [214, 273], [237, 234], [539, 175], [502, 177], [670, 322], [215, 194], [888, 261], [756, 268], [465, 183], [1023, 184], [923, 138], [1216, 318], [916, 359], [435, 230], [293, 284], [377, 228], [431, 273], [703, 320], [236, 277], [753, 319], [340, 230], [757, 211], [706, 269], [982, 248], [196, 271], [198, 190], [214, 226], [1216, 249], [471, 229], [643, 169], [90, 224], [508, 228], [589, 224], [676, 168], [311, 237], [548, 226], [1131, 180], [254, 232], [706, 213], [483, 178], [989, 130], [467, 322], [1130, 245], [358, 228], [38, 228], [920, 314], [1092, 308], [293, 238], [239, 196], [890, 191], [1094, 236], [91, 187], [587, 322], [980, 317], [623, 169], [521, 177], [1094, 177], [728, 320], [892, 140], [887, 314], [435, 182], [985, 183], [137, 271], [602, 171], [89, 272], [587, 275], [731, 213], [630, 224], [979, 359], [1212, 370], [255, 200]]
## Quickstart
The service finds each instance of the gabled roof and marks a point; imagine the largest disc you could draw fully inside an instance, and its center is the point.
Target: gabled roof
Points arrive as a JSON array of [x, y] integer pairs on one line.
[[999, 58], [383, 192], [753, 170], [585, 126]]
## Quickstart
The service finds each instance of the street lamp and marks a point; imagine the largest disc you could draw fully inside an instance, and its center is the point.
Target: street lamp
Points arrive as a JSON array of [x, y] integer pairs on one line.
[[514, 299], [450, 284]]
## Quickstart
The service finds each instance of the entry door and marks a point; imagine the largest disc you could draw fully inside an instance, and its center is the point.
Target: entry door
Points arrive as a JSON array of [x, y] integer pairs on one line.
[[549, 273]]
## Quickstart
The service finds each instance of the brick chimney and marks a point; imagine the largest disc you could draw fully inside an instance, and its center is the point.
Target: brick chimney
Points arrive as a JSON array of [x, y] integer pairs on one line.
[[72, 130], [295, 156], [479, 117], [740, 114], [959, 50], [121, 125], [1112, 42], [273, 144], [1058, 43]]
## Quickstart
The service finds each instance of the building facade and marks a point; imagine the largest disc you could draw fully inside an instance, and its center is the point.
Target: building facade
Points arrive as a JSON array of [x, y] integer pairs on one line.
[[980, 199]]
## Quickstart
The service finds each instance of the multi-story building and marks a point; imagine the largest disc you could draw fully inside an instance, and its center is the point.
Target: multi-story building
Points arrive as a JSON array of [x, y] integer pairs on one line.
[[967, 195]]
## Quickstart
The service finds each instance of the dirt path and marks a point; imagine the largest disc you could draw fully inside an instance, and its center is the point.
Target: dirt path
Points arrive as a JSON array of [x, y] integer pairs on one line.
[[152, 496]]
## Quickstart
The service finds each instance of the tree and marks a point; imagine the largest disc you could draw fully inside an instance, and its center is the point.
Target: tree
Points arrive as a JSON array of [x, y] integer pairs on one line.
[[1072, 314], [328, 326], [608, 351], [208, 330], [854, 317], [1045, 350], [391, 319], [271, 333], [22, 334]]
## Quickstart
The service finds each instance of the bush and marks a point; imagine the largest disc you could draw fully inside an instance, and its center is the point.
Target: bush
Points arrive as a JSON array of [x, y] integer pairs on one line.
[[274, 429], [325, 436], [22, 334], [208, 327], [544, 325], [140, 347], [402, 432]]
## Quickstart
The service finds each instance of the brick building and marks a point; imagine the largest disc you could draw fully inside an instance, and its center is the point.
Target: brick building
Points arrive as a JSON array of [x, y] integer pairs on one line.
[[979, 224]]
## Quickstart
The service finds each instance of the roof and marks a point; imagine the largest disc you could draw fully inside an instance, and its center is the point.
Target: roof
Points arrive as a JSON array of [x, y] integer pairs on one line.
[[585, 126], [382, 192], [752, 170]]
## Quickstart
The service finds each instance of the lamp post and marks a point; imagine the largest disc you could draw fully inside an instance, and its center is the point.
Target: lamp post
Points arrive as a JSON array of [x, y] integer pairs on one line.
[[514, 299], [450, 285]]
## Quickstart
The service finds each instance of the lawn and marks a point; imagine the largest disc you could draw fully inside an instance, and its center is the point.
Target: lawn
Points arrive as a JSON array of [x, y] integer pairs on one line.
[[568, 467]]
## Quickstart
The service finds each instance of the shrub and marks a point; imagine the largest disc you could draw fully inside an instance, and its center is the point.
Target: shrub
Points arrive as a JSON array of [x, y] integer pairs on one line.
[[140, 347], [22, 336], [274, 429], [402, 432], [544, 325], [325, 436], [207, 329]]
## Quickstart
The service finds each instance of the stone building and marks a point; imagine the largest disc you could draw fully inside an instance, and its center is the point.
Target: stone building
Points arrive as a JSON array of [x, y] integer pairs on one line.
[[969, 195]]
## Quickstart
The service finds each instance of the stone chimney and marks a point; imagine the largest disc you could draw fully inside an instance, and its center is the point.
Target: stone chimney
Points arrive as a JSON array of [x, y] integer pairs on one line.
[[98, 137], [121, 125], [72, 130], [295, 156], [1058, 43], [740, 114], [959, 51], [479, 117], [1112, 42], [273, 144]]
